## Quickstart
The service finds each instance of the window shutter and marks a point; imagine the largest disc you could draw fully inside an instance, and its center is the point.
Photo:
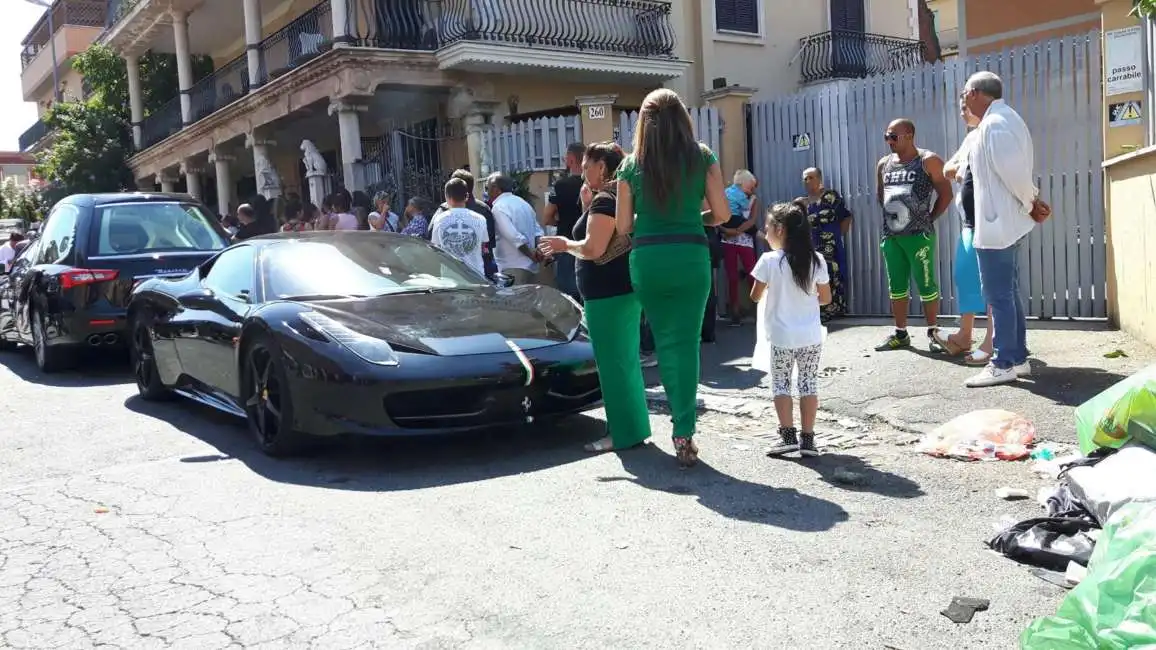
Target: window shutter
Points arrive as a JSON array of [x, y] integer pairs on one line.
[[737, 15], [848, 15]]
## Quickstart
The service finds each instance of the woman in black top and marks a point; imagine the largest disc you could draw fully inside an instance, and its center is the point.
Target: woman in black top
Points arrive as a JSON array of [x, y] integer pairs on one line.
[[613, 313], [966, 271]]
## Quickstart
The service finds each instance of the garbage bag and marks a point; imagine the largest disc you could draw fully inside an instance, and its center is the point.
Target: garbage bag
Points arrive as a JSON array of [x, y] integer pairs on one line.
[[990, 434], [1047, 542], [1090, 414], [1114, 607], [1132, 417]]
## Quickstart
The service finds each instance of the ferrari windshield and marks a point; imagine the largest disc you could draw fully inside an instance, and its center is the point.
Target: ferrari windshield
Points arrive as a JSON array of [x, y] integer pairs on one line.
[[361, 264]]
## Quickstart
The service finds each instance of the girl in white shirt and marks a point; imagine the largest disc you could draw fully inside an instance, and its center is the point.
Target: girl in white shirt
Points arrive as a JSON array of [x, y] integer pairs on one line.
[[791, 281]]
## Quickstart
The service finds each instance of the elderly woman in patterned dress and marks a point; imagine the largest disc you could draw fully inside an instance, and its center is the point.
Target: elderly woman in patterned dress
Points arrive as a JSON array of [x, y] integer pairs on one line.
[[830, 223]]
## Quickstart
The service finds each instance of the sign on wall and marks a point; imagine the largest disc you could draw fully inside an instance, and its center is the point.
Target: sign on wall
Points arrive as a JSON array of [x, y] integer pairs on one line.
[[1125, 114], [596, 112], [1123, 57], [801, 142]]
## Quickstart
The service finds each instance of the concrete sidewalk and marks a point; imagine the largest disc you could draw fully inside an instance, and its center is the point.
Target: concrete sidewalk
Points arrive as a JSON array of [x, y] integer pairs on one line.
[[915, 390]]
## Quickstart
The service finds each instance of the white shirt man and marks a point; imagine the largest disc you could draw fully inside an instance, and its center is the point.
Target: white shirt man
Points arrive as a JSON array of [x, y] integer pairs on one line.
[[1003, 162], [518, 230]]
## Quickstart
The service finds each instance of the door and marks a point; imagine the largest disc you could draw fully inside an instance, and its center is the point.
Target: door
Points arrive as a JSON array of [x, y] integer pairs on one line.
[[54, 255], [13, 317], [210, 325], [848, 38]]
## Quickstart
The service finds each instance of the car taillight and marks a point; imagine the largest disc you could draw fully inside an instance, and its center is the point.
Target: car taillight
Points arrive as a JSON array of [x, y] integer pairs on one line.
[[80, 277]]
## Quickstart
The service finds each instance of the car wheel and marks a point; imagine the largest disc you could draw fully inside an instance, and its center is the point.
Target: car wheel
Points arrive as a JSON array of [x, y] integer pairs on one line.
[[144, 363], [48, 358], [268, 403]]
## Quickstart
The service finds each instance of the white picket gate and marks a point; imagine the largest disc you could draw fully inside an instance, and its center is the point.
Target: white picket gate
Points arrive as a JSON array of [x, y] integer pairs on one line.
[[708, 127], [1054, 85], [532, 145]]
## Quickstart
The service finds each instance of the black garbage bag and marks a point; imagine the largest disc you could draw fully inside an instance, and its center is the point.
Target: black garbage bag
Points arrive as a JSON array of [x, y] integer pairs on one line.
[[1048, 542]]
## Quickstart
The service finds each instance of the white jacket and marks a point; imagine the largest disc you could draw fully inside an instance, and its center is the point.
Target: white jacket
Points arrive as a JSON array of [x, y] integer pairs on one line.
[[1003, 164]]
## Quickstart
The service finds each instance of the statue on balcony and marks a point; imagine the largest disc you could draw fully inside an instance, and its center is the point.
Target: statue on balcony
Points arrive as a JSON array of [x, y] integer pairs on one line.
[[314, 162], [268, 180]]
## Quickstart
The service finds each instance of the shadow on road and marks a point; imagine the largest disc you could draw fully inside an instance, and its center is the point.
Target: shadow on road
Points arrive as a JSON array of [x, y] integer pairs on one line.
[[730, 497], [369, 464], [92, 369], [1067, 386], [855, 474]]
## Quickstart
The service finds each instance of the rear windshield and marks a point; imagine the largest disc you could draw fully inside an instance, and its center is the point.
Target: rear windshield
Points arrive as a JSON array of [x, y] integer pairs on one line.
[[155, 227]]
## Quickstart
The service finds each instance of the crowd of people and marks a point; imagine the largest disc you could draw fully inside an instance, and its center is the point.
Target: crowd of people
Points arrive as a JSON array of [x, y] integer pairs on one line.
[[640, 236]]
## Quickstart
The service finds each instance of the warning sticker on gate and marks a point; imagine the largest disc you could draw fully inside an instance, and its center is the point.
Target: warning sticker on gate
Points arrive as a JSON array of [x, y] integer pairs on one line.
[[1125, 114], [801, 141]]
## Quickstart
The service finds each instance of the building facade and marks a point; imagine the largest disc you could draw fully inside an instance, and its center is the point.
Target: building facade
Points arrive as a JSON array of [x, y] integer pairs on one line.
[[46, 76], [16, 167], [972, 27]]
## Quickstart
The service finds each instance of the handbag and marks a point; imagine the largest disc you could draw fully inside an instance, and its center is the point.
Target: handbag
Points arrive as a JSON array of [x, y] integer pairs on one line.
[[618, 245]]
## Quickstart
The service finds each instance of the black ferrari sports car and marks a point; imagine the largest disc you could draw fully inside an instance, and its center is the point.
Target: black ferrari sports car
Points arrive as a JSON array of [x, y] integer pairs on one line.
[[328, 333]]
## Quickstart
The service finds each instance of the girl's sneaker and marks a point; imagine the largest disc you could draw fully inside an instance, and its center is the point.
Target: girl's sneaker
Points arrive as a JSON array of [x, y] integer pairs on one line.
[[788, 442], [807, 445]]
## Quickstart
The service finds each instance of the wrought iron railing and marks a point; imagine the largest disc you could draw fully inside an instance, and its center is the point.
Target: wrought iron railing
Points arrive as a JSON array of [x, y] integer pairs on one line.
[[84, 13], [34, 134], [844, 54], [161, 123], [220, 88], [118, 9], [307, 37]]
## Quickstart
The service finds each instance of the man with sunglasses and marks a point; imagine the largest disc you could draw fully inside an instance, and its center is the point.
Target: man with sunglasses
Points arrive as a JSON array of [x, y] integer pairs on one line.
[[907, 179]]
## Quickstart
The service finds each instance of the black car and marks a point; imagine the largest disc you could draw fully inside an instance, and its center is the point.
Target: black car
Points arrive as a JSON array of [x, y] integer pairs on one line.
[[327, 333], [70, 288]]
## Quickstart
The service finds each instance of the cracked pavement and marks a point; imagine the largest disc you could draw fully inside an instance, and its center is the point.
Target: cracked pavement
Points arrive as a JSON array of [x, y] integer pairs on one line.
[[125, 524]]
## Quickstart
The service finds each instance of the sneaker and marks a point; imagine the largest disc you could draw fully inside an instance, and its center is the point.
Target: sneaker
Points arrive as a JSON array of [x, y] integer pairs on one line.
[[788, 442], [895, 341], [1024, 369], [648, 361], [807, 445], [992, 376]]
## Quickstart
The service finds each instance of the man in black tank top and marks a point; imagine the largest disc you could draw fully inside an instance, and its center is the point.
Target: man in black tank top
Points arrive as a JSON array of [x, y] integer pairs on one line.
[[913, 193]]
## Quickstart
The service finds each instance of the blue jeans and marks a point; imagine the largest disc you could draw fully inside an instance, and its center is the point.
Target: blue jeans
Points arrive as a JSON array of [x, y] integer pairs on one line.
[[564, 276], [999, 273]]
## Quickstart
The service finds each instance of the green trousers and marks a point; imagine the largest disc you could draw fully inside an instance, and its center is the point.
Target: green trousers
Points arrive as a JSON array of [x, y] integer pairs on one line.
[[673, 281], [613, 324]]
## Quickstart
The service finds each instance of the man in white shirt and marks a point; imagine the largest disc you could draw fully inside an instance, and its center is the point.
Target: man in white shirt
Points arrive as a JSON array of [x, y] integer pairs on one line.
[[517, 228], [459, 231], [1002, 163], [8, 250]]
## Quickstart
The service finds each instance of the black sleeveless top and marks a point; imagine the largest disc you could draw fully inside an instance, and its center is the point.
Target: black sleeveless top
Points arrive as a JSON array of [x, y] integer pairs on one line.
[[967, 196]]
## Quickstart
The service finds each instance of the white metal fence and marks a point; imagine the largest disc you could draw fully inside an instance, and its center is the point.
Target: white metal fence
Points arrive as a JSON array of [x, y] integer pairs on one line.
[[1055, 86], [533, 145], [708, 127]]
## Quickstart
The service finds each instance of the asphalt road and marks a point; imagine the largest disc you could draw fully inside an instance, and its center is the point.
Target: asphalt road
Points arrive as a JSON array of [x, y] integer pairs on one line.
[[132, 525]]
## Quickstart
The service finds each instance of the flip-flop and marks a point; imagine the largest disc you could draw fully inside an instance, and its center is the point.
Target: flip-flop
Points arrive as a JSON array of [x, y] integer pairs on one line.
[[977, 358], [951, 349]]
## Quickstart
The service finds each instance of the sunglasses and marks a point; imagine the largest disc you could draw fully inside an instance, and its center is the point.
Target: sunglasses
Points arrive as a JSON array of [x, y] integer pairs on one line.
[[891, 136]]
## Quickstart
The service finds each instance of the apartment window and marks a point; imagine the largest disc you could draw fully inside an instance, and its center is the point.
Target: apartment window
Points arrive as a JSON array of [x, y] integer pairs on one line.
[[737, 16]]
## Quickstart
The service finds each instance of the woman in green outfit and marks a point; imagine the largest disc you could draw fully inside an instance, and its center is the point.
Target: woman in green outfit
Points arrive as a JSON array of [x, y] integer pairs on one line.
[[661, 188], [613, 314]]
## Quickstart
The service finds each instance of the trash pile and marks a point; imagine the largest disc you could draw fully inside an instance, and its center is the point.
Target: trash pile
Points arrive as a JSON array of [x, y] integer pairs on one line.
[[1097, 535]]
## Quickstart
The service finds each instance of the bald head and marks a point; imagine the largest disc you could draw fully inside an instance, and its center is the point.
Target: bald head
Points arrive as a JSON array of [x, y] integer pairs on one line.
[[813, 180], [813, 171], [902, 125]]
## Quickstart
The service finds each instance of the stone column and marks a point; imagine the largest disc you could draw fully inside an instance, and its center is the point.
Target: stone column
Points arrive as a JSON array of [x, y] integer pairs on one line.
[[268, 180], [596, 118], [478, 121], [252, 10], [184, 63], [192, 174], [168, 183], [731, 104], [135, 99], [221, 163], [349, 126], [339, 12]]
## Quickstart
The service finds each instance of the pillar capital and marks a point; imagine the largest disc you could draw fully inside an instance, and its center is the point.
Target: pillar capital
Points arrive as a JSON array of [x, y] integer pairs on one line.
[[191, 167], [742, 93], [179, 15], [347, 105], [165, 177], [220, 157], [255, 140], [583, 101]]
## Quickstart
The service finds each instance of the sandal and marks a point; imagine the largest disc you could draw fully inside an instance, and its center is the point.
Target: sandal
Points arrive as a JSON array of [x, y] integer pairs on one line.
[[949, 347], [977, 358], [604, 445], [686, 452]]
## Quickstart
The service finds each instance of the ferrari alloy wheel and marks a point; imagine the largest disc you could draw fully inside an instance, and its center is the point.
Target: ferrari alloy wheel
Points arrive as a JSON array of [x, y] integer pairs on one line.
[[268, 405], [48, 359], [144, 363]]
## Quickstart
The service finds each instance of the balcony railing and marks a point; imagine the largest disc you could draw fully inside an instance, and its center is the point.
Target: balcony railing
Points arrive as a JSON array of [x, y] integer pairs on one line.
[[299, 42], [34, 134], [161, 123], [83, 13], [222, 87], [840, 54]]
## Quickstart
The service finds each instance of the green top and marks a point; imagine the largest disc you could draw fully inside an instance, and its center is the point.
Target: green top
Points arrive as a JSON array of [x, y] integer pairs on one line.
[[684, 214]]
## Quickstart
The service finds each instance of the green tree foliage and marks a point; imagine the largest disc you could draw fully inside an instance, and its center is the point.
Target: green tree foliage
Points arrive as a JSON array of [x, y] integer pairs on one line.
[[20, 202], [92, 139], [1144, 8]]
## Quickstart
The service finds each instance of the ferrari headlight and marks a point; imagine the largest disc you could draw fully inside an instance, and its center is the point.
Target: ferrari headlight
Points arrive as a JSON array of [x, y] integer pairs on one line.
[[368, 348]]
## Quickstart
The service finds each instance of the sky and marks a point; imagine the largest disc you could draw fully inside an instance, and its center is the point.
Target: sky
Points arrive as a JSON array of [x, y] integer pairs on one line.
[[16, 18]]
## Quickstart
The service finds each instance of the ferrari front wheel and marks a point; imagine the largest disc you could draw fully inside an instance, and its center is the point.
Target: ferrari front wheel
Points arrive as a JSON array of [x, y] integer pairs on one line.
[[268, 404], [144, 362]]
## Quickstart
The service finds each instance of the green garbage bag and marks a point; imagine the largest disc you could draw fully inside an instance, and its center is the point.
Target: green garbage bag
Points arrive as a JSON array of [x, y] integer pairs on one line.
[[1090, 414], [1114, 607], [1132, 417]]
